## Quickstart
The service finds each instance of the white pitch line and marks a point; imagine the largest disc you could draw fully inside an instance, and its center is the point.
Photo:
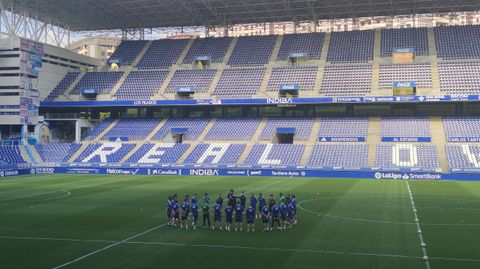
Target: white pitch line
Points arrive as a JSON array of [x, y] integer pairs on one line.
[[108, 247], [233, 247], [423, 245], [38, 194]]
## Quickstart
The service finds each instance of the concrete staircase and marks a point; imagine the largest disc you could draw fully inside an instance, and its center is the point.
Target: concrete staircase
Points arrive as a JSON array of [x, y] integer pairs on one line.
[[155, 130], [166, 82], [230, 49], [266, 78], [131, 152], [375, 90], [35, 154], [377, 45], [276, 49], [326, 45], [79, 152], [201, 137], [187, 153], [25, 155], [185, 52], [312, 140], [74, 83], [373, 138], [215, 81], [120, 82], [109, 127], [256, 136], [245, 153], [142, 53], [432, 47], [435, 78], [439, 140]]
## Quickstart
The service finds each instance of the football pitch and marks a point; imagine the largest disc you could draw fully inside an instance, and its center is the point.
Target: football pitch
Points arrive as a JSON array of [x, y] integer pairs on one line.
[[93, 221]]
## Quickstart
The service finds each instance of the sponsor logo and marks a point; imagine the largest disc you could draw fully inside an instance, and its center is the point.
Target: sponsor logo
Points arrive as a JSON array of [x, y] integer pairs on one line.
[[236, 172], [164, 172], [43, 171], [255, 173], [203, 172], [2, 174], [428, 176], [145, 102], [121, 171], [288, 173], [32, 171], [9, 173], [279, 101]]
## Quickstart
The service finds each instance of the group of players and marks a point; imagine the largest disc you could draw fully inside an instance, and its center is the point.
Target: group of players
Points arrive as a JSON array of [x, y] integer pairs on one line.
[[281, 214]]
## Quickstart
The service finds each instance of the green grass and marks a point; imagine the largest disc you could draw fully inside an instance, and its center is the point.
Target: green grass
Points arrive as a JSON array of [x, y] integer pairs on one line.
[[46, 221]]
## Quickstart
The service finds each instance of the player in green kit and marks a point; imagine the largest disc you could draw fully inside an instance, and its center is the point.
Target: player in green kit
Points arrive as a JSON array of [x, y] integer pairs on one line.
[[206, 214]]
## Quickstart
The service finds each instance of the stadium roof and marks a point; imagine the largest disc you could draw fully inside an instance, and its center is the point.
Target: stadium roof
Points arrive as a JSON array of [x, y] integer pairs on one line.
[[83, 15]]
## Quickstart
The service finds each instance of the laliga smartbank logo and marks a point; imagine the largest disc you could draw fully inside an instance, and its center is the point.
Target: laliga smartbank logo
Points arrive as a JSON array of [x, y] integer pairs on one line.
[[427, 176]]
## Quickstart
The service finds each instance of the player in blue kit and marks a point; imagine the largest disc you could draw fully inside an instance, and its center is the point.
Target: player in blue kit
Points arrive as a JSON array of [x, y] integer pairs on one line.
[[217, 216], [243, 199], [292, 210], [265, 212], [220, 200], [250, 216], [275, 217], [238, 217], [228, 218], [168, 208], [175, 213], [261, 203], [185, 212], [284, 215], [253, 202], [206, 199], [194, 209], [194, 198]]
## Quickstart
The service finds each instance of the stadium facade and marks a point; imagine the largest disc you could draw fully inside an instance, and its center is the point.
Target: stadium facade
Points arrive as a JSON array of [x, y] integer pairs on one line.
[[383, 103]]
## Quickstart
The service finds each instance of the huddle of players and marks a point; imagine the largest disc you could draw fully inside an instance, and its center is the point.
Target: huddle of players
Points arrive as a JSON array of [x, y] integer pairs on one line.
[[282, 214]]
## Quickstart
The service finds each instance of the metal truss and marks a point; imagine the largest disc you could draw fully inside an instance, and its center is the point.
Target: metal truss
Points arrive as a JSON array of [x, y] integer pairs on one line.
[[24, 25]]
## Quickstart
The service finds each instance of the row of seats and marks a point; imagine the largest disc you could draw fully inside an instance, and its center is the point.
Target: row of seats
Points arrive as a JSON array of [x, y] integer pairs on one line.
[[388, 155], [245, 128]]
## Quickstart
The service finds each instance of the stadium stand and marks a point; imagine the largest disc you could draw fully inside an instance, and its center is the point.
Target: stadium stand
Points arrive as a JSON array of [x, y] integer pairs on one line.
[[303, 76], [99, 128], [215, 47], [106, 152], [133, 129], [347, 80], [253, 50], [353, 46], [195, 127], [416, 38], [310, 43], [421, 73], [343, 155], [239, 82], [287, 154], [458, 42], [461, 127], [343, 127], [198, 79], [463, 156], [141, 85], [459, 77], [11, 155], [103, 81], [128, 51], [162, 53], [405, 127], [216, 153], [158, 153], [57, 152], [62, 87], [407, 155], [233, 129], [303, 127]]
